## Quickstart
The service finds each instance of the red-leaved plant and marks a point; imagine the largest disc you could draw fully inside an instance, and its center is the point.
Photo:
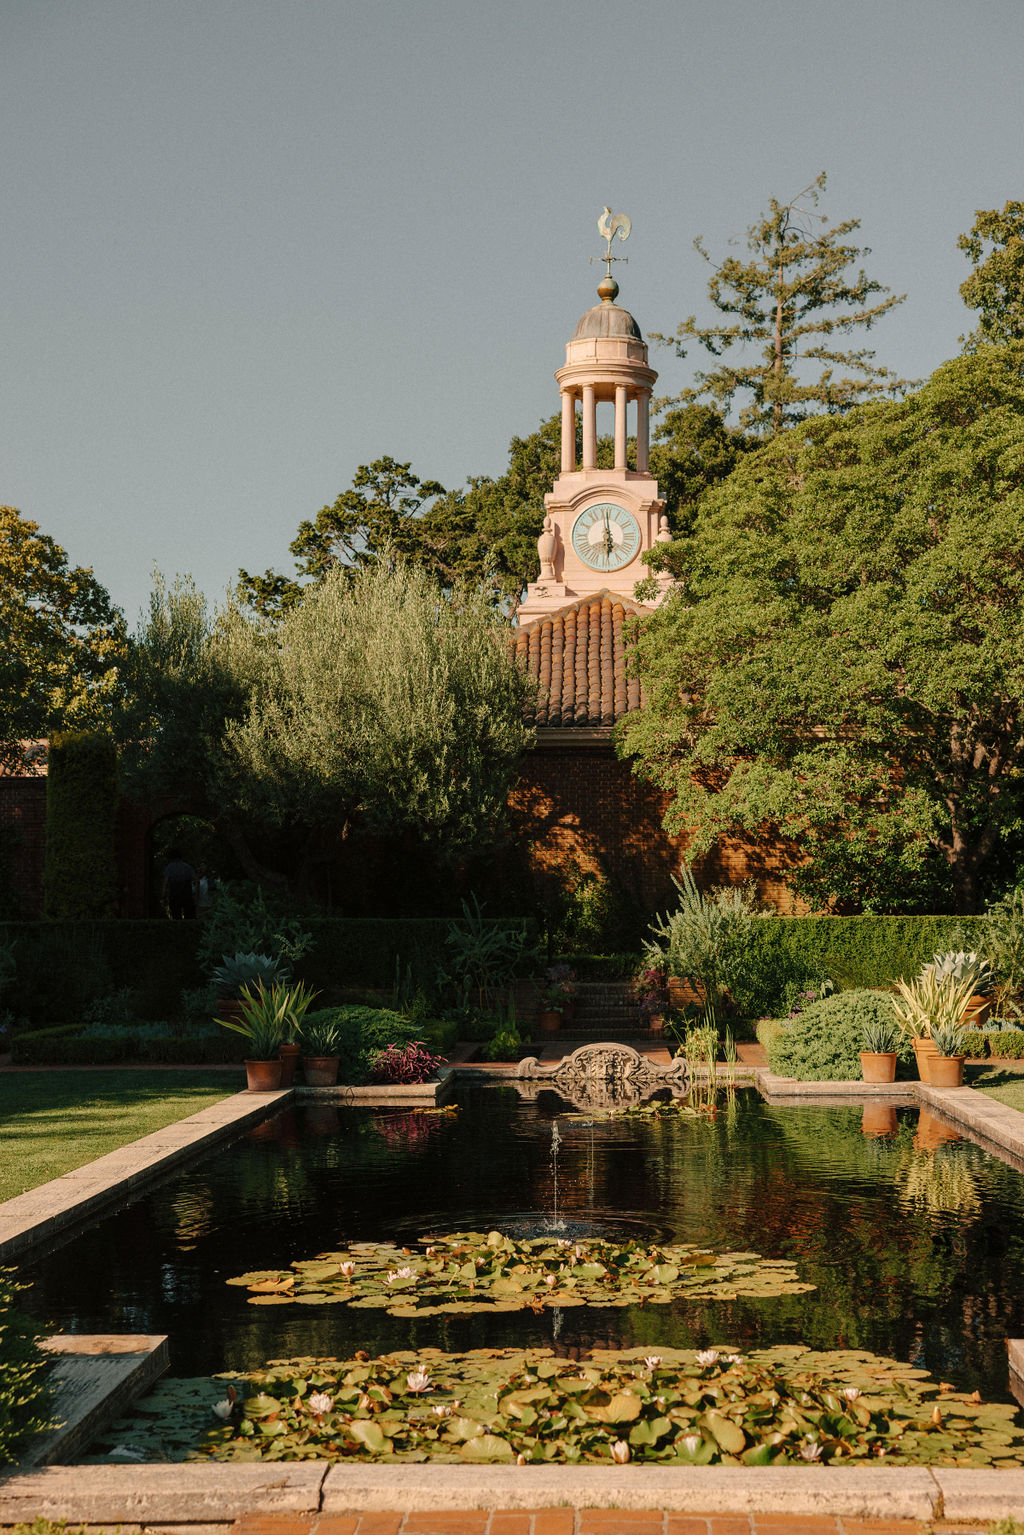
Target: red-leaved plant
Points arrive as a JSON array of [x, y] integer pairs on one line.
[[405, 1063]]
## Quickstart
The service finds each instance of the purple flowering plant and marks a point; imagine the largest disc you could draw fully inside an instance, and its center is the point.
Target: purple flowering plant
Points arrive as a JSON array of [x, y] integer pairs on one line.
[[405, 1063]]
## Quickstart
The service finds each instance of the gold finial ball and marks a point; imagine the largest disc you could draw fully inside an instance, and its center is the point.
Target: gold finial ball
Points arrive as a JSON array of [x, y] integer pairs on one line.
[[608, 289]]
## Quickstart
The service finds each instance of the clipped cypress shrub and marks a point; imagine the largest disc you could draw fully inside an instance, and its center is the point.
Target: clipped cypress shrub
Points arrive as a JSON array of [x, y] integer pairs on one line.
[[79, 875], [823, 1043], [25, 1389]]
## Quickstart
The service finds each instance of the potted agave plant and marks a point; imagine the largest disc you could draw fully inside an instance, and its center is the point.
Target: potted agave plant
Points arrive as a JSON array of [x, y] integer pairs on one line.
[[321, 1037], [963, 966], [928, 1003], [267, 1015], [878, 1057], [947, 1064], [238, 971]]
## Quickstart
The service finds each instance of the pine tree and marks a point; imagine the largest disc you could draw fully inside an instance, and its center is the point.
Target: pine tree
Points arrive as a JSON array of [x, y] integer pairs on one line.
[[789, 301]]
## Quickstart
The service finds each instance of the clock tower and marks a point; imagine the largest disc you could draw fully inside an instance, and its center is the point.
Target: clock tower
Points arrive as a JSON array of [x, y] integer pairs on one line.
[[600, 521]]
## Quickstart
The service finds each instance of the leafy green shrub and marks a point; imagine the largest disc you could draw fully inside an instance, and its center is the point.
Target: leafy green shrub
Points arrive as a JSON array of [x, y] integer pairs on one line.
[[25, 1389], [199, 1003], [81, 812], [363, 1033], [1007, 1044], [118, 1007], [241, 922], [706, 939], [71, 1050], [505, 1044], [823, 1044]]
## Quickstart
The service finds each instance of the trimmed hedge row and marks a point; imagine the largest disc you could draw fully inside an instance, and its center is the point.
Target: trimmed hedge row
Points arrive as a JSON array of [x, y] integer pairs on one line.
[[863, 951], [59, 1047], [79, 877], [63, 965]]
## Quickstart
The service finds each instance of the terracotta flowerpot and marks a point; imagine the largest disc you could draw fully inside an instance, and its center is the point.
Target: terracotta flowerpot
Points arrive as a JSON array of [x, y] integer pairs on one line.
[[230, 1008], [924, 1053], [946, 1071], [878, 1119], [550, 1022], [978, 1011], [263, 1076], [932, 1132], [656, 1023], [320, 1070], [878, 1067], [289, 1061]]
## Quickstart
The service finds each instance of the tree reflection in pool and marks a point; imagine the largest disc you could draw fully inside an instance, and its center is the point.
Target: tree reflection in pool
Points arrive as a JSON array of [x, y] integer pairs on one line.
[[914, 1242]]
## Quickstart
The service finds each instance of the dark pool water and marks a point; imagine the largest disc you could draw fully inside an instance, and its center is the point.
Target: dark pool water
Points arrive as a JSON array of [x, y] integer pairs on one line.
[[915, 1243]]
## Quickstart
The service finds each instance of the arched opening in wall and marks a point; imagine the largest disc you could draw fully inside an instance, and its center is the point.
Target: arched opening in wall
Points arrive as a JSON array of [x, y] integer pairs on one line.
[[198, 843]]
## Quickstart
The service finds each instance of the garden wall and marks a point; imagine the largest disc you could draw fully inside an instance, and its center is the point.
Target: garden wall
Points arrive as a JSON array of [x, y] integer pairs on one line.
[[577, 804]]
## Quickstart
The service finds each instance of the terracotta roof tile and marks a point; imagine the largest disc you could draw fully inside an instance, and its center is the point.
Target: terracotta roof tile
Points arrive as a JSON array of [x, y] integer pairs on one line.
[[578, 656]]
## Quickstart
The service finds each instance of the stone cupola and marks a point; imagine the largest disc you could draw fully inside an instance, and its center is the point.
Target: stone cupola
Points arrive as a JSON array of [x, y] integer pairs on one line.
[[600, 521]]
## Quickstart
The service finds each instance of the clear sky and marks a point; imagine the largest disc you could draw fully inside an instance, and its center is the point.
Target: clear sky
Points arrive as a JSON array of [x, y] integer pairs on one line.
[[249, 245]]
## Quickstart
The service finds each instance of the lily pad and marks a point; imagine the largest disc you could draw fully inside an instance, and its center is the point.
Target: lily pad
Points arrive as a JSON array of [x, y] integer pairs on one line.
[[474, 1271]]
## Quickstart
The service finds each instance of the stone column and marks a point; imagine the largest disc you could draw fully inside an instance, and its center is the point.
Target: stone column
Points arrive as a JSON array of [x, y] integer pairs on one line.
[[568, 431], [589, 427], [643, 431], [620, 426]]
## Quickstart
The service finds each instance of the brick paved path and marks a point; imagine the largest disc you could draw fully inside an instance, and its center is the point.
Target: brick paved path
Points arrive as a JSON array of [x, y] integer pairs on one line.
[[584, 1521]]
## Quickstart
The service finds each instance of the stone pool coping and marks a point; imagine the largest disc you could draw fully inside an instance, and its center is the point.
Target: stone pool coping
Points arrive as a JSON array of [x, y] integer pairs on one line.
[[187, 1493], [174, 1493]]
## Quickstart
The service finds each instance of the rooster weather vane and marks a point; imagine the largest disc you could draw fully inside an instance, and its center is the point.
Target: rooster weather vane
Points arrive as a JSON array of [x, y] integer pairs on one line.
[[608, 226]]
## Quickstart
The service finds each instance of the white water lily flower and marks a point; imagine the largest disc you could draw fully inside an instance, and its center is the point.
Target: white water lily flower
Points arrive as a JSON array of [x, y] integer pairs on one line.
[[319, 1403], [442, 1410], [810, 1451], [346, 1270], [223, 1409], [549, 1279], [520, 1460], [620, 1452], [418, 1380], [652, 1362], [691, 1443], [707, 1356], [734, 1358], [850, 1392]]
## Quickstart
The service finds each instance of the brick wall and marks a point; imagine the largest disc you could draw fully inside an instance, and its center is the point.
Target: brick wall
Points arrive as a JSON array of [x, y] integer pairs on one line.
[[577, 803], [23, 825]]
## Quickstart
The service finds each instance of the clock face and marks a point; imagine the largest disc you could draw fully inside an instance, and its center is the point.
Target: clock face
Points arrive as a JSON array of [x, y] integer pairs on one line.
[[606, 536]]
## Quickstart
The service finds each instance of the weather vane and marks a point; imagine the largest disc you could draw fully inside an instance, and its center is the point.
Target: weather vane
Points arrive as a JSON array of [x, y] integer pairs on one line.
[[608, 226]]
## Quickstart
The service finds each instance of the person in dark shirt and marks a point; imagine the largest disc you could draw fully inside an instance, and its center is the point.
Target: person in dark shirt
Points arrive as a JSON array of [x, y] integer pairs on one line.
[[178, 894]]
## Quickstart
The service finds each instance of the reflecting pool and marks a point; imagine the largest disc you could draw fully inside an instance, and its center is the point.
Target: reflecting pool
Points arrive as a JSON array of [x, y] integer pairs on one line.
[[913, 1237]]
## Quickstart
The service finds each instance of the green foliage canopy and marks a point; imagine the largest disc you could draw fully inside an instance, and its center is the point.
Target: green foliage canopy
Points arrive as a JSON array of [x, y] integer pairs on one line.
[[63, 641], [841, 656], [377, 703], [789, 301], [995, 246]]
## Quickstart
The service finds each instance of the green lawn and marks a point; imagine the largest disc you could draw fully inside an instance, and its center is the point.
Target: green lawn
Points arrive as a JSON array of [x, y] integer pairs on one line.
[[54, 1121], [999, 1080]]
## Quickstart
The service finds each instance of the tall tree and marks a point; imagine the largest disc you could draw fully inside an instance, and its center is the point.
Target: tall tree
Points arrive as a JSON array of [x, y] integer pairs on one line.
[[995, 245], [374, 703], [693, 450], [789, 300], [62, 642], [380, 510], [840, 659]]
